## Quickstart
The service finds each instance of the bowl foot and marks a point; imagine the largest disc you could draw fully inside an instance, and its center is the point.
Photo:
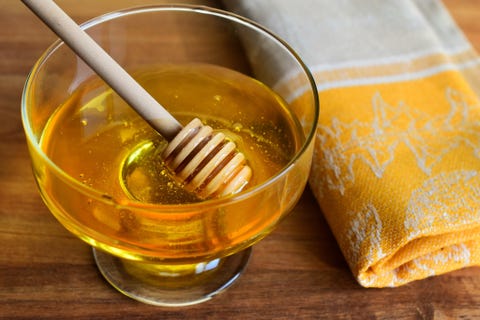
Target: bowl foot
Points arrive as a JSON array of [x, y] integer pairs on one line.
[[171, 285]]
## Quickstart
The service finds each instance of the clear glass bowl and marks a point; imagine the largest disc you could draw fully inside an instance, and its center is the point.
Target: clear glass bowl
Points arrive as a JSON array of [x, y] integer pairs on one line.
[[177, 254]]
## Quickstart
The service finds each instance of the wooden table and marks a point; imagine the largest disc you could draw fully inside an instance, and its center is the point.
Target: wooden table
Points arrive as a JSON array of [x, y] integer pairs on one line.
[[297, 272]]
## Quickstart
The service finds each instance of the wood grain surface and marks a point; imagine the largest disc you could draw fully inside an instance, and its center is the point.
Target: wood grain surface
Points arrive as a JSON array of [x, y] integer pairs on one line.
[[297, 272]]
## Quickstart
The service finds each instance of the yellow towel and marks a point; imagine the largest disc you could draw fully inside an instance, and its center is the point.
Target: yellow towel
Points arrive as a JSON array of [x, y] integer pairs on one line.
[[396, 169]]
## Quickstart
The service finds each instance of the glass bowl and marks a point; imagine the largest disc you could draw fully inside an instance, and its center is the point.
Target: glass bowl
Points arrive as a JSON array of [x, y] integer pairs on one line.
[[92, 155]]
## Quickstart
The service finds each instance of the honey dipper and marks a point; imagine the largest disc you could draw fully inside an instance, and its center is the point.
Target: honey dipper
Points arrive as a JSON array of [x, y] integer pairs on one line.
[[203, 160]]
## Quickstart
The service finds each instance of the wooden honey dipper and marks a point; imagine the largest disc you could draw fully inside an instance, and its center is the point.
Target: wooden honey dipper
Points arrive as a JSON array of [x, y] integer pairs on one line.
[[203, 160]]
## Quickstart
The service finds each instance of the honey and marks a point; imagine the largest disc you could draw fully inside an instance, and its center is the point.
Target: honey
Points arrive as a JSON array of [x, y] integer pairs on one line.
[[97, 139]]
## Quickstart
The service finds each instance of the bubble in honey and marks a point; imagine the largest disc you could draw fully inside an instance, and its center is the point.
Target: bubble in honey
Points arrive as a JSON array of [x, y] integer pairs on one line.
[[237, 127]]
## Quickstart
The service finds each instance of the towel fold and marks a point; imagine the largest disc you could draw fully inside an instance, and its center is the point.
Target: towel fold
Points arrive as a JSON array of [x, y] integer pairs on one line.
[[396, 169]]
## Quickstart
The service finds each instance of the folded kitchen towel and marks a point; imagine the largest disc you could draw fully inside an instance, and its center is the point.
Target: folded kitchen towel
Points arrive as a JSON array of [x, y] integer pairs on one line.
[[396, 169]]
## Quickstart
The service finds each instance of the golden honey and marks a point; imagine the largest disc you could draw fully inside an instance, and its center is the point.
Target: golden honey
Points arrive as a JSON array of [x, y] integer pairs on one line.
[[98, 140]]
